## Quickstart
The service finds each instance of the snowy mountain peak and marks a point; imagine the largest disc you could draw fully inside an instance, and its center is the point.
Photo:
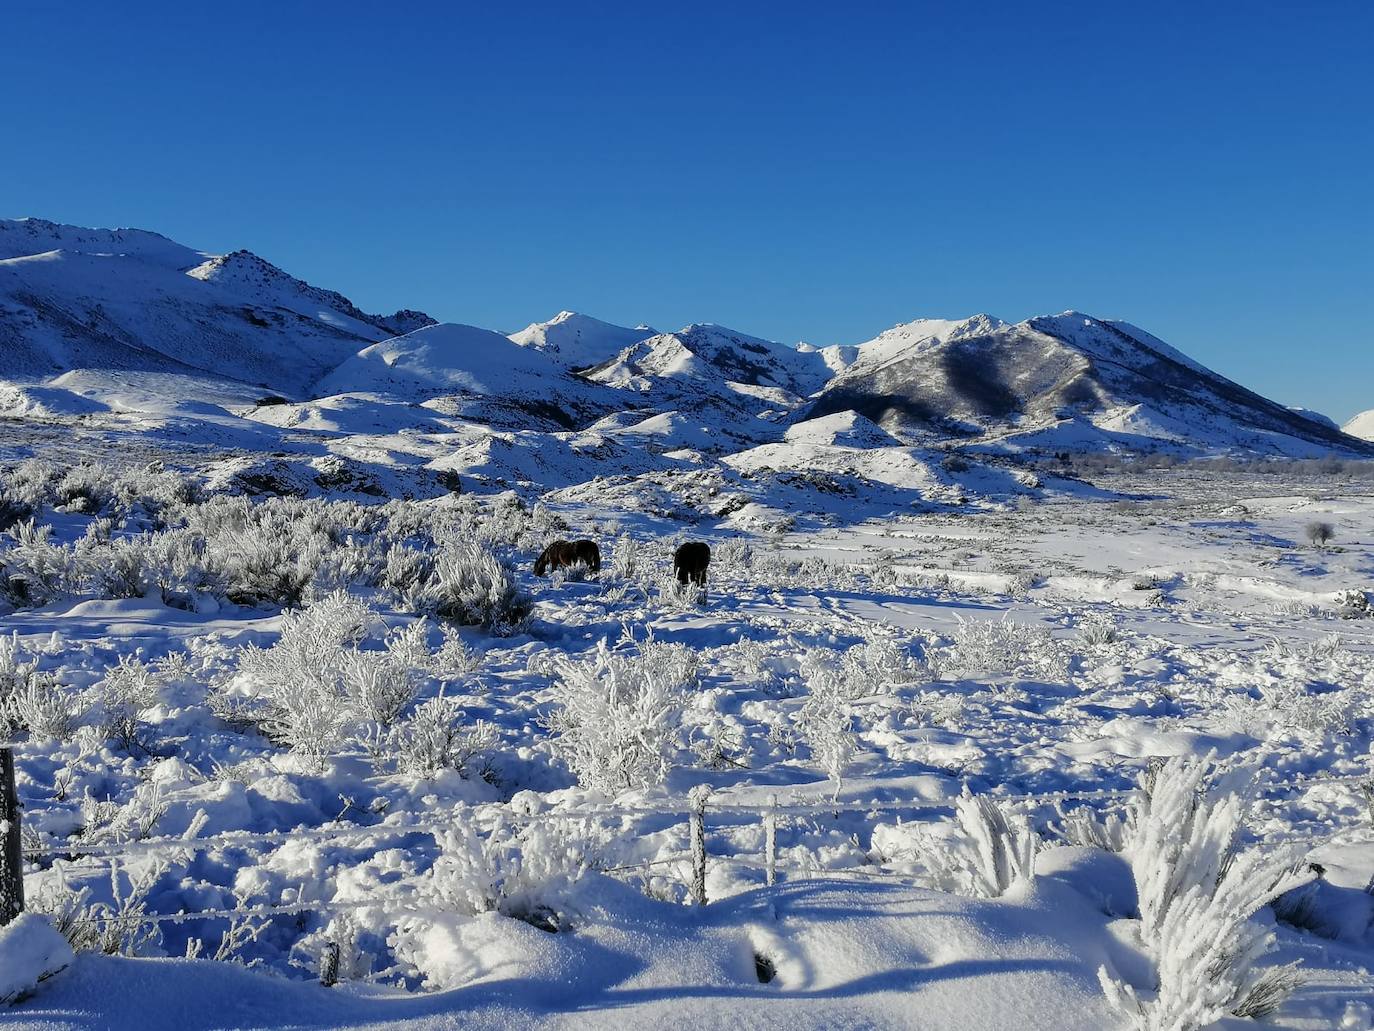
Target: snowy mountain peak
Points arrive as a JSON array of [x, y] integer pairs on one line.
[[1062, 381], [245, 272], [23, 237], [1362, 426], [579, 341]]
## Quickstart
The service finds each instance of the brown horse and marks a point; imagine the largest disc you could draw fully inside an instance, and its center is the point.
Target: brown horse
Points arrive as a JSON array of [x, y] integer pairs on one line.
[[562, 554], [690, 562]]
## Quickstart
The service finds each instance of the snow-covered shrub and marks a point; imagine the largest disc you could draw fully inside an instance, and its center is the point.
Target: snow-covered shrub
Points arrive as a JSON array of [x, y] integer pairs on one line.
[[405, 569], [1083, 827], [505, 523], [128, 691], [1098, 631], [733, 553], [625, 558], [617, 724], [1003, 648], [34, 570], [40, 706], [525, 872], [377, 686], [116, 928], [1354, 604], [1198, 892], [878, 666], [435, 738], [996, 847], [469, 585], [134, 820], [296, 690], [84, 488], [453, 658], [120, 568], [941, 708], [825, 721]]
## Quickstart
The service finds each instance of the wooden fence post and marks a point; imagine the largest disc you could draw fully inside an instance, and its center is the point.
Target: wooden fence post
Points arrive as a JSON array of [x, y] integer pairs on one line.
[[329, 965], [770, 841], [697, 819], [11, 846]]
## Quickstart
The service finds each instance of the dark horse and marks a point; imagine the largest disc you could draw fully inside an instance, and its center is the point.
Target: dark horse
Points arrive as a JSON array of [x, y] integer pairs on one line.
[[561, 554], [690, 562]]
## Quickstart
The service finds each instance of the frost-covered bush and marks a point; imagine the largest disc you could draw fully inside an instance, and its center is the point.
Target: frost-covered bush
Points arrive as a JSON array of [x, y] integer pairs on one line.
[[505, 523], [34, 570], [1003, 648], [733, 553], [1198, 892], [41, 707], [469, 585], [625, 558], [377, 687], [1084, 827], [825, 720], [1098, 631], [435, 738], [128, 691], [116, 928], [530, 874], [618, 720], [995, 849], [296, 692], [877, 666]]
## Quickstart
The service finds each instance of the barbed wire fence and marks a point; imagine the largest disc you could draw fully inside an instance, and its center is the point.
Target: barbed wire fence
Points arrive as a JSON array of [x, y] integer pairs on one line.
[[771, 815]]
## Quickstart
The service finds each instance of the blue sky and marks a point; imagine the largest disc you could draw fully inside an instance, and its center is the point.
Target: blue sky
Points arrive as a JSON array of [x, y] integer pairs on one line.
[[798, 171]]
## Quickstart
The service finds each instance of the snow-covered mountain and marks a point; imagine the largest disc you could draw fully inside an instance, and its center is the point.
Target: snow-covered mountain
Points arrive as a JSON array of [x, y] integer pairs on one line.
[[126, 331], [475, 370], [1066, 381], [1361, 426], [73, 298], [580, 341], [709, 359]]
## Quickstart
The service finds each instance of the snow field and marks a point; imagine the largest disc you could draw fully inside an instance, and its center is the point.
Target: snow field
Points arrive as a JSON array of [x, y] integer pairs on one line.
[[532, 743]]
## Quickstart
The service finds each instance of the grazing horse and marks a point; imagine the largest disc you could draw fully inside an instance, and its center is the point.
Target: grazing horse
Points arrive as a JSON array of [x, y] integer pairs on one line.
[[690, 562], [588, 554], [562, 554]]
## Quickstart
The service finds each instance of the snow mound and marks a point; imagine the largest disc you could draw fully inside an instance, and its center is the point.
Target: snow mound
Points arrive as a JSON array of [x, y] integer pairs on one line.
[[35, 402], [844, 429], [30, 951]]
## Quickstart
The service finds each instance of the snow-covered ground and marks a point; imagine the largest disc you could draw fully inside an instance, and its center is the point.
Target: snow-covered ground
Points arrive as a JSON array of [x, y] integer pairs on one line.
[[345, 719]]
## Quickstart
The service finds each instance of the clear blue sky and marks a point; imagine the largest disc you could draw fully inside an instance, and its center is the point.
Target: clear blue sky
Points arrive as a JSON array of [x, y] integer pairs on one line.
[[799, 171]]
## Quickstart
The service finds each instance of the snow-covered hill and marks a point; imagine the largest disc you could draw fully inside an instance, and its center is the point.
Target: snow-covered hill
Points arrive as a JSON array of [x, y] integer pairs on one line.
[[580, 341], [468, 364], [1361, 426], [73, 298], [1065, 381], [709, 359]]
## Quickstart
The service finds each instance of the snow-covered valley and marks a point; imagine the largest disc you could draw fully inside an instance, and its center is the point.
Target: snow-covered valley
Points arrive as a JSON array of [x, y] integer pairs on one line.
[[1031, 685]]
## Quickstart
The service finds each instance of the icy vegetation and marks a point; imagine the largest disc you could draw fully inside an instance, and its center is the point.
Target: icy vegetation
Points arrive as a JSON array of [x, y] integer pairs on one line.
[[360, 741]]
